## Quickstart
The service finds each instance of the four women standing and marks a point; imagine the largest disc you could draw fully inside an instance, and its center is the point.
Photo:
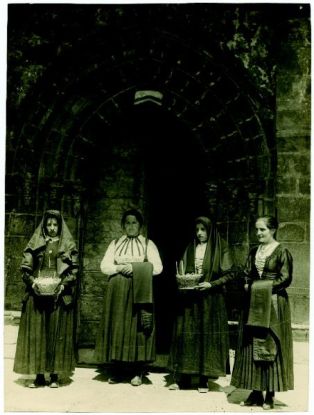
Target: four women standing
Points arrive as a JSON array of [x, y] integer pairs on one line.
[[126, 337]]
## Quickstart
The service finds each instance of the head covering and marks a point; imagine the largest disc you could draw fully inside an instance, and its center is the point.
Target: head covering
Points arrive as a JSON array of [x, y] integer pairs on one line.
[[67, 252], [51, 214], [215, 259]]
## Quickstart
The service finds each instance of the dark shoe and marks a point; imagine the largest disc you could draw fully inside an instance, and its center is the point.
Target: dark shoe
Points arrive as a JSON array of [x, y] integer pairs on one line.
[[185, 381], [114, 379], [203, 384], [255, 398], [269, 401], [39, 382]]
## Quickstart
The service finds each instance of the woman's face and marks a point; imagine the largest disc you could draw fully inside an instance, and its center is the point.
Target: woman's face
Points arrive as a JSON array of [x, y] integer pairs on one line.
[[131, 226], [52, 227], [201, 232], [264, 234]]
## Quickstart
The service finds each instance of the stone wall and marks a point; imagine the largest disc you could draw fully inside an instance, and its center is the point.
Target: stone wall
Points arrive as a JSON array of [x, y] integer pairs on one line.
[[293, 160]]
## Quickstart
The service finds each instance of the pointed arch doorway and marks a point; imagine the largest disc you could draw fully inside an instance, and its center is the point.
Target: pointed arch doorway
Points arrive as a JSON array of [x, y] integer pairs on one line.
[[174, 174], [153, 162]]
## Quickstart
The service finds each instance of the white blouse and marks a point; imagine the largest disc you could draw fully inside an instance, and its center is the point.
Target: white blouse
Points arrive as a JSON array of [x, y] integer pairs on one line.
[[262, 253], [199, 256], [127, 250]]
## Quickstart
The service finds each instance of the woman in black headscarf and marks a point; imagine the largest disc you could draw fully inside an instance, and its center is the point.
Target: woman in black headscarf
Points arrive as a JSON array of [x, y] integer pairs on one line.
[[200, 343], [46, 333]]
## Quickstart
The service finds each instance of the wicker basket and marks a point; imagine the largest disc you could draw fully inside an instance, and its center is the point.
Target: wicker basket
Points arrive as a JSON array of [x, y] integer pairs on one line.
[[188, 280], [47, 285]]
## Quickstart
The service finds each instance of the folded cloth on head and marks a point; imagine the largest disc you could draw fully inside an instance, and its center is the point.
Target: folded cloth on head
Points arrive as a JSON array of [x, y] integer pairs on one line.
[[142, 282]]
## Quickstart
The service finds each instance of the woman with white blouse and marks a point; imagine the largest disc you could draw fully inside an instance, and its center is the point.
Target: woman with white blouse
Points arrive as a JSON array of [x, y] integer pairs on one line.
[[126, 336]]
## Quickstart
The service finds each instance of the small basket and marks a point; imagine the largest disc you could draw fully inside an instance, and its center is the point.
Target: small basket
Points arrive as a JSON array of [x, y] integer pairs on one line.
[[188, 280], [47, 285]]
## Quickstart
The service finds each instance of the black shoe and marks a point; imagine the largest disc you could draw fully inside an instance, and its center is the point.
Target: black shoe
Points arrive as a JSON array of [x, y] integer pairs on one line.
[[269, 401], [203, 384], [39, 382], [185, 382], [255, 398]]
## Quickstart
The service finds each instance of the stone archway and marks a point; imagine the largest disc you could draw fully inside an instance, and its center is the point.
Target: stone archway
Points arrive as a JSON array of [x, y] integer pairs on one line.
[[78, 122]]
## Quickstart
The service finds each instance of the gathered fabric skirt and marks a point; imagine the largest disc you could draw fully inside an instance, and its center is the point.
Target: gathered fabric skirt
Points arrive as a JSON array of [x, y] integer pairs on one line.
[[200, 343], [120, 336], [45, 340], [274, 376]]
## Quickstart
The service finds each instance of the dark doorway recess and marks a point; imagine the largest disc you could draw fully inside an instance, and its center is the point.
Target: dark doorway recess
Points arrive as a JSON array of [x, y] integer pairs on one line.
[[174, 167], [148, 159]]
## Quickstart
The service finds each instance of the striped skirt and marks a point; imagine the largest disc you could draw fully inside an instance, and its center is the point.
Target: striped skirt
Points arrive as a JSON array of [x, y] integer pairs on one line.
[[273, 376]]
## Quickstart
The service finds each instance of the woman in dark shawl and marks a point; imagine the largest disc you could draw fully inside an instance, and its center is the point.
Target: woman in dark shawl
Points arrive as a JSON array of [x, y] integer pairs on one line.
[[264, 356], [46, 333], [126, 336], [200, 343]]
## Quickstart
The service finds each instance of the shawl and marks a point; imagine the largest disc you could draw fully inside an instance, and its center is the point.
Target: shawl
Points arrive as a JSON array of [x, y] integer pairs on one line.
[[214, 259], [142, 282], [260, 303], [263, 316], [67, 252]]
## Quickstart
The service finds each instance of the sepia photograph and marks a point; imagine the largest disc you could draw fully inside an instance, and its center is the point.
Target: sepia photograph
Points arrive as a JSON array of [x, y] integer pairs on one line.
[[156, 207]]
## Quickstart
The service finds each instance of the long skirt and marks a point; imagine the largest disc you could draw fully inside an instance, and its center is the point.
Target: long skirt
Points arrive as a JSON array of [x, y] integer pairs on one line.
[[273, 376], [120, 337], [200, 342], [45, 340]]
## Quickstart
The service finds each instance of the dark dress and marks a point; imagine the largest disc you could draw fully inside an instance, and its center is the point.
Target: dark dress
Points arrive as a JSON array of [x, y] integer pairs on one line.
[[200, 342], [122, 336], [275, 375], [46, 333]]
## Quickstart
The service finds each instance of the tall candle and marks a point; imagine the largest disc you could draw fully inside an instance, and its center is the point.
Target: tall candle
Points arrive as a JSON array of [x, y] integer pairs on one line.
[[181, 268]]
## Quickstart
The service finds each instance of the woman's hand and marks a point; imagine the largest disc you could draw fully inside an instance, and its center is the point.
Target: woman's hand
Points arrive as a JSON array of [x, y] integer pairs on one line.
[[35, 288], [125, 269], [205, 285], [58, 291]]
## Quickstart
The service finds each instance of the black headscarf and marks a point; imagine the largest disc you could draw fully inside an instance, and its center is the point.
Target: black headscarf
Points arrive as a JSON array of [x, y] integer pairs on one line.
[[216, 258]]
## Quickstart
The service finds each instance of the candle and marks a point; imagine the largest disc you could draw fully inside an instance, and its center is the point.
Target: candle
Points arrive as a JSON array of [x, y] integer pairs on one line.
[[181, 268]]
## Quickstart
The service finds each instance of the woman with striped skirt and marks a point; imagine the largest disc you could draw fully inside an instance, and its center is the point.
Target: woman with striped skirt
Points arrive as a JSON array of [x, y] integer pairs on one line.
[[264, 356]]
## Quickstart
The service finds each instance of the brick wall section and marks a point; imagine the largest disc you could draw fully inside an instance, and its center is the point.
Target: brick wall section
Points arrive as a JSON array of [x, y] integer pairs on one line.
[[293, 160], [115, 194]]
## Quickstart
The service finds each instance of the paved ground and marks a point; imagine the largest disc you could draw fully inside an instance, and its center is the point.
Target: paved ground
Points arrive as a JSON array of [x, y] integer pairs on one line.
[[89, 391]]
